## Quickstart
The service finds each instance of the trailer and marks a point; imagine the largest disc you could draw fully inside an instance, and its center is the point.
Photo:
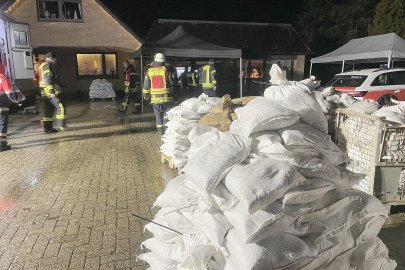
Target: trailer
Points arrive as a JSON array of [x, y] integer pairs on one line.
[[376, 149], [16, 54]]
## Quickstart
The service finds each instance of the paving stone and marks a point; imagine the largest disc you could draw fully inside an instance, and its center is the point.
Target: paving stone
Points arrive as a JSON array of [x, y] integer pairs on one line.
[[71, 194]]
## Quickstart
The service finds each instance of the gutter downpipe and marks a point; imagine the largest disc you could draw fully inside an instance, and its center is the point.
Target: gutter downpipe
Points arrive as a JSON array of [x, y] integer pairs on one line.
[[343, 66], [240, 77]]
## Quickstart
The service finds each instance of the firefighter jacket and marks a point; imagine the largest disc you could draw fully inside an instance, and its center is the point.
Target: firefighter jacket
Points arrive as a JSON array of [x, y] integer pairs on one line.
[[48, 80], [208, 77], [159, 84], [132, 80], [192, 79]]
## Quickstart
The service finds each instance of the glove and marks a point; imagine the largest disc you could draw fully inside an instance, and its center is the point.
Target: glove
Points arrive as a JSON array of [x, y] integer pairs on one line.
[[146, 96], [215, 88]]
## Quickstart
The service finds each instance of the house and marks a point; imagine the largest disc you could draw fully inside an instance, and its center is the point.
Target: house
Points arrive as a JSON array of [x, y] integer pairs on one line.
[[262, 44], [88, 40]]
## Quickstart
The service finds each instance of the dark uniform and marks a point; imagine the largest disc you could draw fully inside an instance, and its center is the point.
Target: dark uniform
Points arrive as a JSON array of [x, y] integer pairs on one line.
[[48, 83], [158, 86], [208, 79], [5, 103], [132, 90], [192, 82]]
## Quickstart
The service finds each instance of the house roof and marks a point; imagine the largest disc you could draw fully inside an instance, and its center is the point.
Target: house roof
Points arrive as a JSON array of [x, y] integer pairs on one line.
[[7, 5], [252, 38]]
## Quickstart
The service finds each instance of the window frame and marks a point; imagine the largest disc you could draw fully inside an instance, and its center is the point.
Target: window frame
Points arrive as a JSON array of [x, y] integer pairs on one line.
[[60, 3], [103, 63]]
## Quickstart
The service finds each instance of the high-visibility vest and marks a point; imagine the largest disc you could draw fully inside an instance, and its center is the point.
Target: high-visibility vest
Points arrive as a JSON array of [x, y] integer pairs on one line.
[[206, 77], [159, 91], [42, 71], [191, 79]]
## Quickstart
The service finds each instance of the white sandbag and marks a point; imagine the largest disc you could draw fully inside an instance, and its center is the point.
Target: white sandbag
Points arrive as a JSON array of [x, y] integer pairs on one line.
[[180, 112], [335, 99], [346, 100], [325, 106], [316, 118], [277, 251], [212, 224], [302, 135], [178, 193], [259, 184], [263, 139], [311, 83], [157, 263], [295, 96], [213, 101], [395, 114], [191, 103], [368, 249], [165, 251], [328, 91], [174, 221], [197, 257], [204, 108], [277, 76], [199, 130], [209, 165], [180, 127], [263, 114], [311, 190], [223, 199], [366, 106]]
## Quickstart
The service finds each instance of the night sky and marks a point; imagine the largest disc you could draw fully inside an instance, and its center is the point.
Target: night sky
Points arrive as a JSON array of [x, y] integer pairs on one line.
[[139, 14]]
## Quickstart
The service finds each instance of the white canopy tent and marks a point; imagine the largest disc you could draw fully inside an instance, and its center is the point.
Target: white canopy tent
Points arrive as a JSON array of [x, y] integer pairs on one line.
[[388, 46]]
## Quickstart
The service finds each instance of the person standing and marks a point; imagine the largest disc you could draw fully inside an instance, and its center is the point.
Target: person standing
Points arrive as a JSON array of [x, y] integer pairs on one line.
[[158, 87], [5, 102], [208, 79], [48, 83], [132, 89], [192, 81]]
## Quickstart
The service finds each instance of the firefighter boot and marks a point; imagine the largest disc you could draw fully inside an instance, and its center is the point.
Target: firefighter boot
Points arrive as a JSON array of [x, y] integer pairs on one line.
[[49, 127], [4, 146]]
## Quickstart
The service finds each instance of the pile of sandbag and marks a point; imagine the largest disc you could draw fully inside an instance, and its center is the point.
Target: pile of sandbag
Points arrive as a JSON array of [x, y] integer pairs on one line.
[[101, 88], [330, 99], [269, 194], [182, 119]]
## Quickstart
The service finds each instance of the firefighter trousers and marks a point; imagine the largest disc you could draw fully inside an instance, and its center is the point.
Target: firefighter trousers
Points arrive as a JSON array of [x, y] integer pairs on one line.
[[3, 125], [52, 105], [135, 97], [160, 110], [61, 113]]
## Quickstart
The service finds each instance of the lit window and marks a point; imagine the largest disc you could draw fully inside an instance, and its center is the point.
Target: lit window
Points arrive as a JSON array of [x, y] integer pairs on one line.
[[60, 10], [96, 64]]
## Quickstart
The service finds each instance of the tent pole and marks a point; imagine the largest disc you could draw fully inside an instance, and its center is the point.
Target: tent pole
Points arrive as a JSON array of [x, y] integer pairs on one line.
[[240, 76], [141, 75], [310, 70], [343, 66]]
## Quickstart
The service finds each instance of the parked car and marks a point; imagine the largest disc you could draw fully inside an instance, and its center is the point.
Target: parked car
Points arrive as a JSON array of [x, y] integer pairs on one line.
[[380, 85]]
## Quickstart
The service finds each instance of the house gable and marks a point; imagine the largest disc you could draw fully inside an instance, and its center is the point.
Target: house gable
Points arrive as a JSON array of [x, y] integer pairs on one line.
[[100, 28]]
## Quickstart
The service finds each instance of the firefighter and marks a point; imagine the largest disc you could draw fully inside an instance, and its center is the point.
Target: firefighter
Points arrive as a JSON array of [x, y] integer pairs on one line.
[[7, 96], [158, 86], [48, 83], [192, 81], [208, 79], [132, 89]]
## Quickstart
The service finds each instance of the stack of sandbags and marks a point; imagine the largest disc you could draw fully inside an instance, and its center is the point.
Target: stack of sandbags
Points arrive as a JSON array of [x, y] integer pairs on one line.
[[101, 88], [182, 119], [269, 194]]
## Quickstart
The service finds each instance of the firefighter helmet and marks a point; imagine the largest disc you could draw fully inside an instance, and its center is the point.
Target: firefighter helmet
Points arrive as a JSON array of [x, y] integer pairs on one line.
[[159, 57]]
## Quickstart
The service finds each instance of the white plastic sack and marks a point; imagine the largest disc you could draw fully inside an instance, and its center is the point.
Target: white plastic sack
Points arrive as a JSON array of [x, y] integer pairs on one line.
[[395, 114], [209, 165], [303, 135], [178, 193], [276, 251], [191, 103], [366, 106], [166, 251], [212, 224], [311, 190], [204, 108], [259, 184], [213, 101], [346, 100], [181, 113], [295, 96], [263, 139], [223, 198], [263, 114], [277, 76], [156, 262], [316, 118], [328, 91]]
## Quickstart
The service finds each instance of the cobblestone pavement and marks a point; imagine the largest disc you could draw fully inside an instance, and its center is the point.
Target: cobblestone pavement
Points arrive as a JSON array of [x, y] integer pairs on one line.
[[66, 199]]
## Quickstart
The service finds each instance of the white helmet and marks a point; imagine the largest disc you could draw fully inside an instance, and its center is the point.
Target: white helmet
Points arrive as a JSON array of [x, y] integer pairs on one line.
[[159, 57]]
